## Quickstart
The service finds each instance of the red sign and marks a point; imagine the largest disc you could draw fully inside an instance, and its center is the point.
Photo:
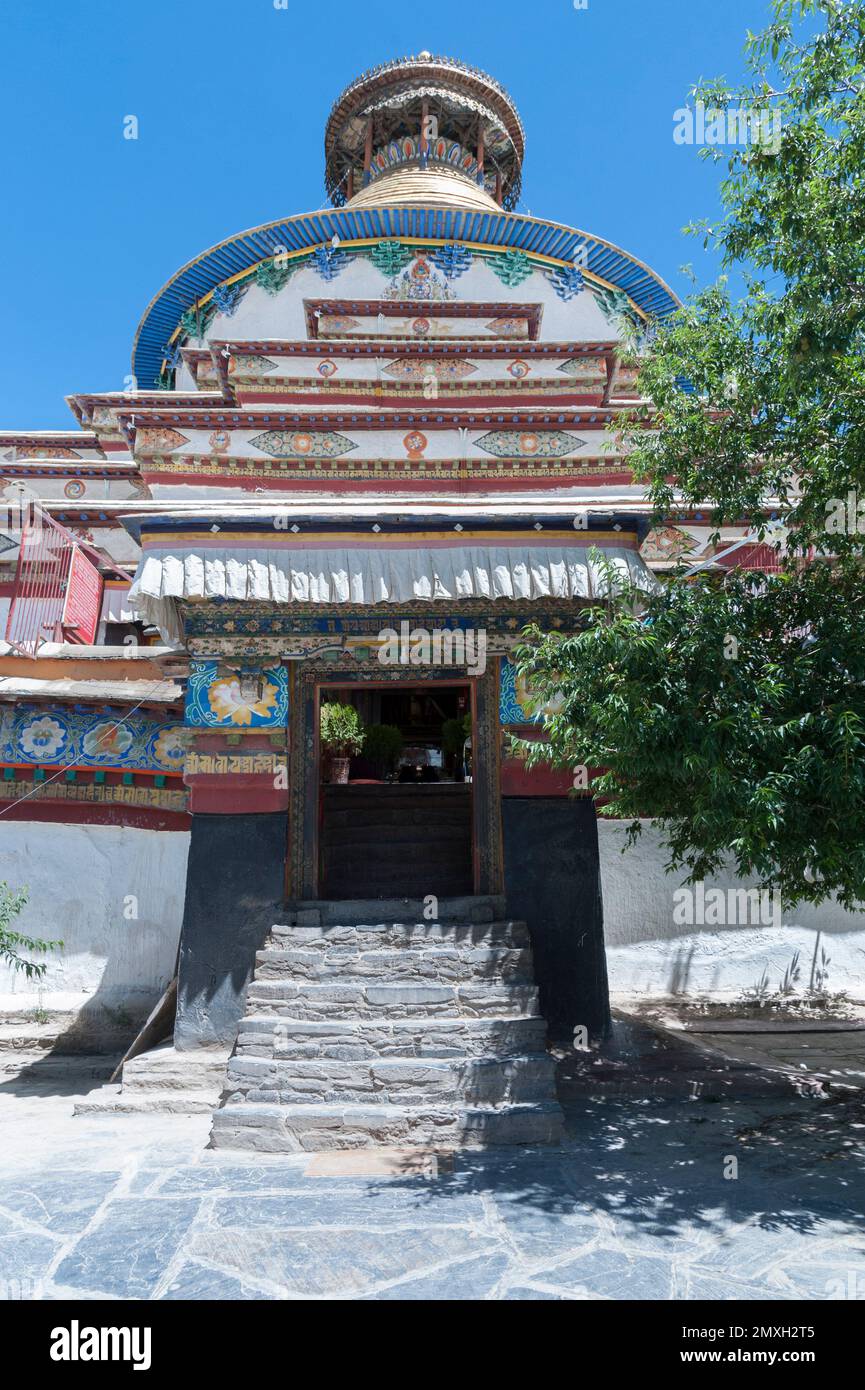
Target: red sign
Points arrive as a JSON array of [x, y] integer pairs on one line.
[[82, 605]]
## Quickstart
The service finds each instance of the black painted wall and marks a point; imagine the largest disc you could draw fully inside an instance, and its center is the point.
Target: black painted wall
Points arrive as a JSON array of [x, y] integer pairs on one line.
[[234, 894], [553, 882]]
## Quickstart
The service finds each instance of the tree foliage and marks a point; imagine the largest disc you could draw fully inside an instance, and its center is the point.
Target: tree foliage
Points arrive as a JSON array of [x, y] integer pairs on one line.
[[732, 711], [13, 943]]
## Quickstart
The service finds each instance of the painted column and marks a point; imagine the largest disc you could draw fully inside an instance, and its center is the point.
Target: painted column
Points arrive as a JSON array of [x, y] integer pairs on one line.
[[236, 772]]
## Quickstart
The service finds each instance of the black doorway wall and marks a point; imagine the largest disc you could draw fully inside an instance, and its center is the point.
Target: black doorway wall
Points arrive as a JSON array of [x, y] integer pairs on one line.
[[553, 882]]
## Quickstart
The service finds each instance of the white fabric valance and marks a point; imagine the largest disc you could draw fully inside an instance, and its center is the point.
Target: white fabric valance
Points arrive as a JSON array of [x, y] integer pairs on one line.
[[336, 576]]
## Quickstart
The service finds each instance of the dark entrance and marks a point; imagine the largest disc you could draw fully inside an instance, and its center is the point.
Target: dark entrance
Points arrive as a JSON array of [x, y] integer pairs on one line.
[[402, 824]]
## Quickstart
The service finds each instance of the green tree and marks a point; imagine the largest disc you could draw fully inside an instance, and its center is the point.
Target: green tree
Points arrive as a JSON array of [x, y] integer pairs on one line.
[[731, 712], [12, 943]]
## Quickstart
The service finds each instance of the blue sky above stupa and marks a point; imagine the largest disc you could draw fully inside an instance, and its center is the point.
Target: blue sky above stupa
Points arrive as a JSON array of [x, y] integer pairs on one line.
[[231, 101]]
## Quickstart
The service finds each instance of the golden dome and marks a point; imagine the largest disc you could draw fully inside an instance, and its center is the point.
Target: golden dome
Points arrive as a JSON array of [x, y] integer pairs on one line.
[[405, 186]]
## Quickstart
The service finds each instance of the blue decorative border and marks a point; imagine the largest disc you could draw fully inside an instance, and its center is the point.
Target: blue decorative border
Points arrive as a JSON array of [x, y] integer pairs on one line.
[[64, 736], [510, 709]]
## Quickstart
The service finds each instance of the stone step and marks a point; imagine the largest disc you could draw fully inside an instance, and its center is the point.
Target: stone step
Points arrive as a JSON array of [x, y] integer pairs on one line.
[[335, 912], [262, 1035], [377, 936], [431, 964], [65, 1034], [163, 1069], [403, 1081], [111, 1100], [274, 1128], [35, 1065], [358, 998]]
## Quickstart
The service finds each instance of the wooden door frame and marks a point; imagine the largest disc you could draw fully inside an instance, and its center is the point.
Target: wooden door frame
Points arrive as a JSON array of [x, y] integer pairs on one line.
[[305, 767]]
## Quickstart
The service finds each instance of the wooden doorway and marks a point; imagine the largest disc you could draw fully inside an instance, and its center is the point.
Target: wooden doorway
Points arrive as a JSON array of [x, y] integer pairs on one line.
[[471, 811], [402, 825]]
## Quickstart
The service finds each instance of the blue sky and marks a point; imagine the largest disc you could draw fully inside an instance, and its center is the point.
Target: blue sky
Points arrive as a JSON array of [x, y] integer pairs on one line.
[[231, 98]]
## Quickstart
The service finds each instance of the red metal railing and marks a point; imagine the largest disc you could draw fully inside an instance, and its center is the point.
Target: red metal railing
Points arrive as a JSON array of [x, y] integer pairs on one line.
[[41, 579], [752, 556]]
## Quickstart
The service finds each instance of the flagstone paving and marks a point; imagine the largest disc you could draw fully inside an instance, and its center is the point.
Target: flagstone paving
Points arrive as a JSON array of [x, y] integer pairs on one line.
[[633, 1204]]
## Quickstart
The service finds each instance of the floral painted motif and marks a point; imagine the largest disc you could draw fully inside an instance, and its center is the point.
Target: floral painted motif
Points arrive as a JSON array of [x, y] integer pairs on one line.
[[508, 328], [439, 151], [585, 369], [42, 738], [214, 698], [512, 268], [303, 443], [249, 364], [63, 735], [169, 748], [422, 368], [228, 702], [107, 740], [666, 543], [548, 444], [159, 441], [517, 703], [415, 442], [567, 282], [332, 325], [625, 381], [219, 441]]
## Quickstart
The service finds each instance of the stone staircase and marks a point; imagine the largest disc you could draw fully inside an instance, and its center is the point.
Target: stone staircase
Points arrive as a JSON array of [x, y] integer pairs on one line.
[[403, 1032]]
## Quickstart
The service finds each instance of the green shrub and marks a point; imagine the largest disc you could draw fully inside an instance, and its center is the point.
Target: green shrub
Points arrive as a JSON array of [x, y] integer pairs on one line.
[[382, 745], [341, 730], [455, 732], [13, 942]]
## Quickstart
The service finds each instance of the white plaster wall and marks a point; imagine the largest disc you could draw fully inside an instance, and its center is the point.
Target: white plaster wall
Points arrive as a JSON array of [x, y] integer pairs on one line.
[[79, 877], [649, 954], [261, 315], [385, 443]]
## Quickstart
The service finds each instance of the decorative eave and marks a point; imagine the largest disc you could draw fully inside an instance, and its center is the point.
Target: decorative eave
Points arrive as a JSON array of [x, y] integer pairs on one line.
[[462, 75], [63, 468], [388, 86], [438, 418], [45, 440], [84, 403], [141, 693], [551, 244], [364, 347]]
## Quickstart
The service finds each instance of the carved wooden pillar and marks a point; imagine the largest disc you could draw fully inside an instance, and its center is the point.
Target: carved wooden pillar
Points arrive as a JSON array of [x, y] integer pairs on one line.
[[367, 152], [486, 781]]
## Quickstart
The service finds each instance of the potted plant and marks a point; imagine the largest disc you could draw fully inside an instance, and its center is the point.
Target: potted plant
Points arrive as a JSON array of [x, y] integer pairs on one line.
[[341, 737], [382, 745]]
